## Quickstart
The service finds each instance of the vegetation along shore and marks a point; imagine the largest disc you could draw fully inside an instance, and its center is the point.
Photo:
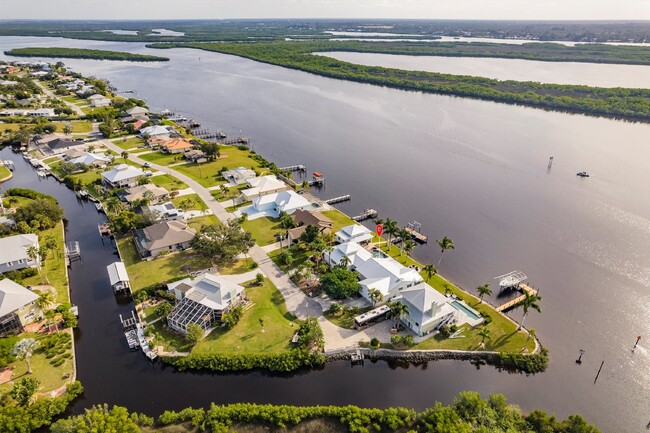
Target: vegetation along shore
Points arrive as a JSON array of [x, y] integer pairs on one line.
[[82, 53], [631, 104]]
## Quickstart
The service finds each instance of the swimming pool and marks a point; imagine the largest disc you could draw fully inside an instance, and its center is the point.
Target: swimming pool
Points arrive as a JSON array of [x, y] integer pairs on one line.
[[465, 309], [379, 253]]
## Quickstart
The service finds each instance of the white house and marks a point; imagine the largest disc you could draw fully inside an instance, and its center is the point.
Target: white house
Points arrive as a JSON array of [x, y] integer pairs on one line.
[[91, 159], [122, 175], [203, 301], [284, 201], [428, 309], [263, 185], [118, 277], [164, 212], [153, 131], [354, 233], [377, 271], [17, 306], [98, 100], [13, 252]]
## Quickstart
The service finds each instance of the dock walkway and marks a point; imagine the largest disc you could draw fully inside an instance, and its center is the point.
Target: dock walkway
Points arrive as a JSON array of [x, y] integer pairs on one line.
[[525, 288]]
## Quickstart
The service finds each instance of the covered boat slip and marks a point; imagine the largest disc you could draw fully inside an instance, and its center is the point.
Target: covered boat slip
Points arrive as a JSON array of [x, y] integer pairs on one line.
[[119, 278]]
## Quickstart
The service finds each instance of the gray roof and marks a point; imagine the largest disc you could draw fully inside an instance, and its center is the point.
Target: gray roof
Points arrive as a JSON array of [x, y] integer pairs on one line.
[[14, 248], [420, 298], [14, 296], [167, 233], [122, 172], [60, 143]]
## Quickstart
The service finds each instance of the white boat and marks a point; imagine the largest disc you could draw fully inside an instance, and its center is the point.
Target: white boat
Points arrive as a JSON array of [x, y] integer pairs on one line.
[[41, 173], [99, 207]]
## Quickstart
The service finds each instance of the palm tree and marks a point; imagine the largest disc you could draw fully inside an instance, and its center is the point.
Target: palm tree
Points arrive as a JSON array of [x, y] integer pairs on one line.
[[124, 155], [390, 228], [531, 334], [113, 204], [45, 300], [50, 243], [530, 301], [397, 310], [344, 262], [34, 255], [445, 244], [485, 335], [224, 190], [328, 250], [24, 350], [405, 237], [430, 271], [483, 290], [375, 296], [51, 315], [409, 246]]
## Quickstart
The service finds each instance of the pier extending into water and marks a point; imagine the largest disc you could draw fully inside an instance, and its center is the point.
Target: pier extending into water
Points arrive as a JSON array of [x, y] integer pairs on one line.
[[415, 230], [526, 289], [339, 199], [366, 214], [297, 167]]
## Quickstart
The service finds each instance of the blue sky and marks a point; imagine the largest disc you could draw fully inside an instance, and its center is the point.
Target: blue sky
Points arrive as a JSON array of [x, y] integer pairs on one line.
[[215, 9]]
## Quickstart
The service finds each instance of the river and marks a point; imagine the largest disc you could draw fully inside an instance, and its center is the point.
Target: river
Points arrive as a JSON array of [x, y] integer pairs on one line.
[[588, 74], [473, 170]]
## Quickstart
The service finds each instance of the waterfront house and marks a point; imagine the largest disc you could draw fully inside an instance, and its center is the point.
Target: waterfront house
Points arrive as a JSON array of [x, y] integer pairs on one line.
[[239, 175], [155, 141], [202, 301], [13, 252], [428, 309], [137, 112], [98, 100], [155, 194], [376, 270], [118, 277], [152, 131], [176, 145], [304, 219], [166, 236], [354, 233], [259, 186], [61, 145], [17, 307], [139, 123], [283, 201], [91, 159], [122, 176]]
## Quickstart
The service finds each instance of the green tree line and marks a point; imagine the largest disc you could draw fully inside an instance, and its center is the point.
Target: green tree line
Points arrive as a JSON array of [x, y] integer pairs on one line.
[[82, 53]]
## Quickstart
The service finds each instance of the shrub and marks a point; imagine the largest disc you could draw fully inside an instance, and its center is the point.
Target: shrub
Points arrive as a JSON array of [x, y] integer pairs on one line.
[[374, 343]]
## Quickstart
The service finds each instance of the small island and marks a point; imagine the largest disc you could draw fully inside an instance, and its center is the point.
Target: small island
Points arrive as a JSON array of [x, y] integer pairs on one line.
[[81, 53]]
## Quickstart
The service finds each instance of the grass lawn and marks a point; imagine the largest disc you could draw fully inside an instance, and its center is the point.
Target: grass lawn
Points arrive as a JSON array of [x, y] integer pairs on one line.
[[128, 143], [263, 229], [239, 267], [49, 376], [54, 266], [168, 182], [188, 202], [233, 191], [162, 158], [198, 222], [77, 126], [207, 174], [249, 336], [339, 219], [4, 172], [146, 273], [169, 340], [52, 159], [74, 100], [299, 257], [150, 314]]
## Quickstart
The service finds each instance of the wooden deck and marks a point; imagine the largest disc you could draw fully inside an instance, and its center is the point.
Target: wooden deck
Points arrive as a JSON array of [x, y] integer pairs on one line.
[[417, 235], [510, 304]]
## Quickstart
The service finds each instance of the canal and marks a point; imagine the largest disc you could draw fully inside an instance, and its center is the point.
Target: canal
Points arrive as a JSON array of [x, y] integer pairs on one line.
[[472, 170]]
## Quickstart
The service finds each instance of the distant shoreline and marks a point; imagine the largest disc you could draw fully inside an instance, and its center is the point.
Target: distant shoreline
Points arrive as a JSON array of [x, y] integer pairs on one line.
[[82, 53]]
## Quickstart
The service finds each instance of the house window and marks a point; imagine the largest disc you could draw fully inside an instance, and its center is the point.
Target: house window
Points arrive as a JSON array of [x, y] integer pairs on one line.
[[10, 264], [21, 261]]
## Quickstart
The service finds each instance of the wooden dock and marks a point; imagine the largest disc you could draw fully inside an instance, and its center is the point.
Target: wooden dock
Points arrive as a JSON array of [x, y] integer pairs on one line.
[[525, 288], [237, 140], [338, 199], [297, 167], [419, 237], [367, 214]]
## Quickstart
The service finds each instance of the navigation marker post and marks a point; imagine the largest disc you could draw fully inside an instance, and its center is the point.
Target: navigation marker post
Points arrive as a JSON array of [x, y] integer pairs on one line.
[[598, 374], [579, 360], [637, 342]]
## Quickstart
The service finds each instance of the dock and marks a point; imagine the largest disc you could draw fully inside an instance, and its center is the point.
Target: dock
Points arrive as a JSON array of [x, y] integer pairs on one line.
[[130, 325], [237, 140], [297, 167], [417, 236], [72, 252], [366, 214], [526, 289], [338, 199], [357, 358]]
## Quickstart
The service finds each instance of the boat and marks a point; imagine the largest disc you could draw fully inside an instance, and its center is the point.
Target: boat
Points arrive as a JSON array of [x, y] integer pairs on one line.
[[317, 174], [99, 207], [9, 164], [104, 229], [582, 174], [41, 173], [194, 124], [83, 193]]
